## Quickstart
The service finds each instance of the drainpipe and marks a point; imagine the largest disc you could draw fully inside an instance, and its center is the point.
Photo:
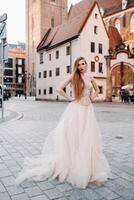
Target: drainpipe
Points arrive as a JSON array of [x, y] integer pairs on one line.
[[71, 55]]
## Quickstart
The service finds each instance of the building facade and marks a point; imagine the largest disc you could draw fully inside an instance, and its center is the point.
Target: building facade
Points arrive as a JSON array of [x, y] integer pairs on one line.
[[40, 16], [14, 70], [121, 61], [79, 36], [122, 17], [118, 14]]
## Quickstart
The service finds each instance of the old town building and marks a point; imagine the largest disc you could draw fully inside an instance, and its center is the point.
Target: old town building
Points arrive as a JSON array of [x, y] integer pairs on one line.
[[118, 17], [14, 69], [81, 35], [40, 16]]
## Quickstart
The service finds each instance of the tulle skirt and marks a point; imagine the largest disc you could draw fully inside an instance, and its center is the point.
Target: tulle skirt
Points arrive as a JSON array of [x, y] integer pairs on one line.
[[72, 152]]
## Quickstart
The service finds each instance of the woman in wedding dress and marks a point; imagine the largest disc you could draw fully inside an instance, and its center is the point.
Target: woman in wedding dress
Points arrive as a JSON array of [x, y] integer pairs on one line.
[[73, 151]]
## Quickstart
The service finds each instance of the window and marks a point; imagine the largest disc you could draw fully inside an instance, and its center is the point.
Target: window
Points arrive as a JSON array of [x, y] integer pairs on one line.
[[39, 74], [39, 92], [68, 50], [57, 71], [100, 89], [100, 48], [50, 90], [71, 93], [19, 61], [92, 66], [50, 57], [41, 58], [8, 72], [52, 22], [45, 91], [117, 24], [57, 54], [50, 73], [92, 47], [96, 15], [124, 20], [45, 74], [132, 23], [68, 69], [8, 80], [9, 64], [20, 79], [124, 4], [95, 29], [100, 68], [19, 70], [64, 89]]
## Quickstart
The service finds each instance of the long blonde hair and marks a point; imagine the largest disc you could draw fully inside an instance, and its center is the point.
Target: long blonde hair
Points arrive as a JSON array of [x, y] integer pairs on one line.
[[77, 81]]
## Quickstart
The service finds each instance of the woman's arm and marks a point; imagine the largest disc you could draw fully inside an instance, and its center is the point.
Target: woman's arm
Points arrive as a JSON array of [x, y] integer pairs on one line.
[[95, 86], [62, 86]]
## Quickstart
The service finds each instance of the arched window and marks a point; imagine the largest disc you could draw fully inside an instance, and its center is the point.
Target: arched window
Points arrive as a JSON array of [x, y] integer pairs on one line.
[[117, 24], [52, 22], [132, 23]]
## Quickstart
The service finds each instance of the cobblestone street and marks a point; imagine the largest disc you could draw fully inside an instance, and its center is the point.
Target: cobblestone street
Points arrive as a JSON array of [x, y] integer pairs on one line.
[[23, 132]]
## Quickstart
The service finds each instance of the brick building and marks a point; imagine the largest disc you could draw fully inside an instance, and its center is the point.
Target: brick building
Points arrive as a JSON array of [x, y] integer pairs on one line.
[[14, 70], [118, 14], [40, 16]]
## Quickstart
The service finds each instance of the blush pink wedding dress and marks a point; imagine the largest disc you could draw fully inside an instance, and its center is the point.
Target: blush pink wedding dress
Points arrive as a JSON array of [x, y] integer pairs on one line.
[[73, 151]]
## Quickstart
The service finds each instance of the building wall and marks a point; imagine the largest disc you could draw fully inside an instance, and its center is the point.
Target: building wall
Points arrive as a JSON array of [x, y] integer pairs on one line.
[[18, 61], [61, 63], [122, 57], [124, 16], [38, 21], [79, 47], [121, 75], [88, 36]]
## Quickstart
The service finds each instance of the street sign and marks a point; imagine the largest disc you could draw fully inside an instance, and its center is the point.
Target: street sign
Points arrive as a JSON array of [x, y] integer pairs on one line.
[[3, 56], [3, 52], [3, 17], [2, 26]]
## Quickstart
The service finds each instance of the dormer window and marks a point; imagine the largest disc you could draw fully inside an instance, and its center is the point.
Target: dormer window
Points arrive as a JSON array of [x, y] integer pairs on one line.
[[52, 22], [102, 11], [124, 4], [132, 23], [117, 25]]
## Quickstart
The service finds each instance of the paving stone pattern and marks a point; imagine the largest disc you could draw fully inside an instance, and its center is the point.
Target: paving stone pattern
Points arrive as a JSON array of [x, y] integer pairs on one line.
[[24, 132]]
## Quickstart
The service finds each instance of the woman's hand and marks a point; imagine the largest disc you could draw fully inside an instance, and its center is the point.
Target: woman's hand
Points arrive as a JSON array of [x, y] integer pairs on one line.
[[94, 96], [71, 99]]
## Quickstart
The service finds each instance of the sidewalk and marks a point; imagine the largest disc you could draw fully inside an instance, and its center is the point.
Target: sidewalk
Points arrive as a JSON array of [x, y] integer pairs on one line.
[[8, 115], [25, 137]]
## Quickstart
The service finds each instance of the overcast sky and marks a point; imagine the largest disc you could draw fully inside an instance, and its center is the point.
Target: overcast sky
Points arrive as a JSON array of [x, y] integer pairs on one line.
[[15, 10]]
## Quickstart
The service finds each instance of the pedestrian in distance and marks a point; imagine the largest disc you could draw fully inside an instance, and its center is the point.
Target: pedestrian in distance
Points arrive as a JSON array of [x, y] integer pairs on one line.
[[73, 151], [131, 95]]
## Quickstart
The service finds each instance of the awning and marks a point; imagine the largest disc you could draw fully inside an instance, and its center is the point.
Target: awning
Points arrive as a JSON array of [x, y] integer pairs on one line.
[[129, 86]]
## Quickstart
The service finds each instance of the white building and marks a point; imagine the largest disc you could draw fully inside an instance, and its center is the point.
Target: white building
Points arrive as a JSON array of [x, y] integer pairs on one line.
[[82, 35]]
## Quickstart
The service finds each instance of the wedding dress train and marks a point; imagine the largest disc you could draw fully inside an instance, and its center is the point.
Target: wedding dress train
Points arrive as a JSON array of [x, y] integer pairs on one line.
[[73, 151]]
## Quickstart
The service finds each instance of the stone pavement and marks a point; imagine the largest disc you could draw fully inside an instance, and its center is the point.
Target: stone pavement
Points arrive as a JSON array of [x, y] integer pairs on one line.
[[24, 135]]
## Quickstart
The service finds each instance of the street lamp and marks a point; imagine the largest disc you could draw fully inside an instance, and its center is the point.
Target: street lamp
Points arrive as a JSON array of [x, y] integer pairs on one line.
[[3, 54], [110, 50], [26, 77]]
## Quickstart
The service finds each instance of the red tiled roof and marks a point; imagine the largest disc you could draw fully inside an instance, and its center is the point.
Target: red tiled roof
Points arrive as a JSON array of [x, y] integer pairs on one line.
[[109, 3], [78, 8], [109, 6], [64, 32], [114, 37]]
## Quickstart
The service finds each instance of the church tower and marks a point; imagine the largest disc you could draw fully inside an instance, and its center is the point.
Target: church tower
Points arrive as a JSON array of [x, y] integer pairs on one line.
[[40, 16]]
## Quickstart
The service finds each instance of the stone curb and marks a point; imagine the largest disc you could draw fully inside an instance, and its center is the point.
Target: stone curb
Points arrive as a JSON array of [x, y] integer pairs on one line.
[[13, 116]]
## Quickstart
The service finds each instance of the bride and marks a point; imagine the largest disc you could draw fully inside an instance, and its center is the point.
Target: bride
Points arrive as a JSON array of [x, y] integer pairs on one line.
[[73, 151]]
